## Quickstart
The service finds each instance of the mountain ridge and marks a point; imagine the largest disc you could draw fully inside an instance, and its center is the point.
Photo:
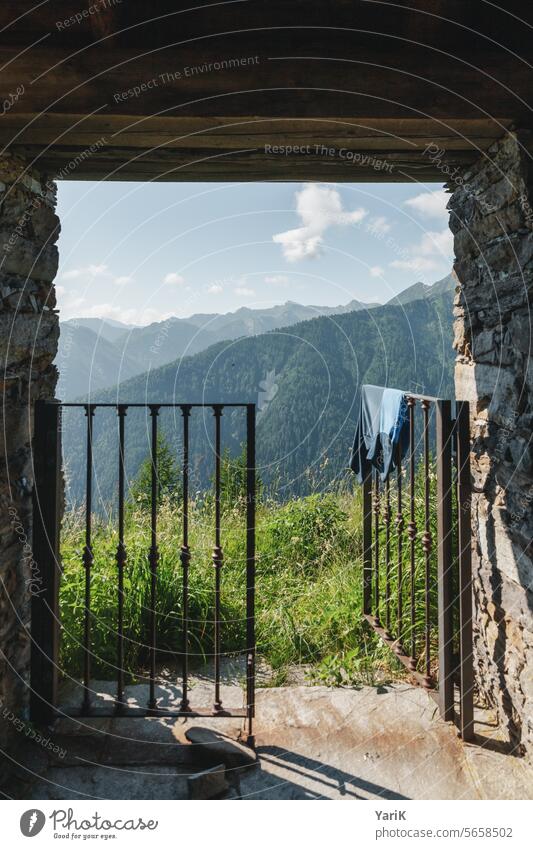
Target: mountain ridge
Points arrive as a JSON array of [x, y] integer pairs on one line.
[[313, 371], [86, 368]]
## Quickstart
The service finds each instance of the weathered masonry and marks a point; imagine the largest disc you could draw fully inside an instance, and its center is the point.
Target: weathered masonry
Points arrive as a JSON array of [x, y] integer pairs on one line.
[[492, 221], [29, 332], [423, 91]]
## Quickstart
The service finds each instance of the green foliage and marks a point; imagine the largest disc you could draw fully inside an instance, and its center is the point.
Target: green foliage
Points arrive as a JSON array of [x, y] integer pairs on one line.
[[308, 586], [306, 532], [233, 480], [168, 478]]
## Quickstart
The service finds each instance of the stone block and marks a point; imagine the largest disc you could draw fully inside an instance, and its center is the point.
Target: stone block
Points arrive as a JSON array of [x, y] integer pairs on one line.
[[11, 168], [500, 194], [213, 747], [498, 546], [475, 382], [26, 337], [209, 783], [45, 224], [520, 331], [25, 258], [485, 346], [522, 453]]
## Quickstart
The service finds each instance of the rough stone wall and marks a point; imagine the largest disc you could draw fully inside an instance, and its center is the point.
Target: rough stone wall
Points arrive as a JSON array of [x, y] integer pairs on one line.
[[492, 221], [29, 331]]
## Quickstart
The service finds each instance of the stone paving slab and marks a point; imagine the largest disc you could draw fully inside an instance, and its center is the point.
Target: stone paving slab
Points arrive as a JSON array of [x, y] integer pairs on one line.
[[312, 742], [371, 743], [134, 782], [167, 694]]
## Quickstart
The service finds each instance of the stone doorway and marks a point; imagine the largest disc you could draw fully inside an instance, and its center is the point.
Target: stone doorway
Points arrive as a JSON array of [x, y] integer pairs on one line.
[[455, 119]]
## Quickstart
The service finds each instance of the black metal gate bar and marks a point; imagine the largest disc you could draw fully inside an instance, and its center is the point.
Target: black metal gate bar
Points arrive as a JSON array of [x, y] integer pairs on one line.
[[446, 432], [427, 544], [445, 563], [88, 561], [217, 559], [250, 567], [47, 493], [367, 543], [464, 495], [400, 524], [153, 557], [376, 547], [387, 521], [185, 557], [121, 561], [46, 534], [412, 530]]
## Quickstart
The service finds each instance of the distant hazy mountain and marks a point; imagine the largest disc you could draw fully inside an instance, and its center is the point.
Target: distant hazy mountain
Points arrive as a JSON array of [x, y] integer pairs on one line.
[[423, 290], [95, 353], [106, 327], [261, 320], [86, 359], [87, 363], [306, 383]]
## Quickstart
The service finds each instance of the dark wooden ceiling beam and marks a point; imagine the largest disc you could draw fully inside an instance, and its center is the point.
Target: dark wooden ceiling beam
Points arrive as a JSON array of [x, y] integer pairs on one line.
[[136, 23], [276, 80], [242, 130], [182, 94], [191, 165]]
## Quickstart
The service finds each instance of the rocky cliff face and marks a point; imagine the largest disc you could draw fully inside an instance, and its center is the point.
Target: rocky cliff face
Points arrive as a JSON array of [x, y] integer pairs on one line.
[[29, 332], [492, 221]]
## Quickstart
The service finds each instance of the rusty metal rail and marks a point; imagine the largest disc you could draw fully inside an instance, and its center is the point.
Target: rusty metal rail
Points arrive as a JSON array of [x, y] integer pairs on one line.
[[414, 597], [46, 614]]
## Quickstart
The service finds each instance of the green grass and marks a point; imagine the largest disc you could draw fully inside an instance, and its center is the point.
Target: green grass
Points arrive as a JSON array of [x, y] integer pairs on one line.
[[308, 588]]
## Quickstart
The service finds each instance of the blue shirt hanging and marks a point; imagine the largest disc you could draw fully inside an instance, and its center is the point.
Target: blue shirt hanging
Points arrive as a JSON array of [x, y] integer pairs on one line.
[[383, 425]]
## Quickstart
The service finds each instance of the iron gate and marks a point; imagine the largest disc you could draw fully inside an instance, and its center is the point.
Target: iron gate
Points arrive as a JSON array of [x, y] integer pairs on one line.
[[46, 614], [404, 617]]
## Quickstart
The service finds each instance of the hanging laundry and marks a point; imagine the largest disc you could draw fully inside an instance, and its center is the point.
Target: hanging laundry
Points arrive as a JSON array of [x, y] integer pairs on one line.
[[382, 425]]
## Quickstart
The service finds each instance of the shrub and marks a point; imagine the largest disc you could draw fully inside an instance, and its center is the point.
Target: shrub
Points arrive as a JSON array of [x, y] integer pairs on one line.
[[168, 478], [304, 532]]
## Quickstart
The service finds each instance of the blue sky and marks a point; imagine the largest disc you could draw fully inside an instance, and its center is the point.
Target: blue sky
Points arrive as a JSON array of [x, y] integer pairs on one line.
[[140, 252]]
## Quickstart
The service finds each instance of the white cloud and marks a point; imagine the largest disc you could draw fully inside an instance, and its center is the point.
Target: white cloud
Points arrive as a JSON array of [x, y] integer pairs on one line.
[[70, 302], [98, 270], [243, 290], [276, 280], [430, 204], [105, 311], [318, 208], [215, 289], [433, 251], [87, 271], [417, 264], [376, 270], [298, 244], [173, 279], [123, 281], [378, 225], [440, 242]]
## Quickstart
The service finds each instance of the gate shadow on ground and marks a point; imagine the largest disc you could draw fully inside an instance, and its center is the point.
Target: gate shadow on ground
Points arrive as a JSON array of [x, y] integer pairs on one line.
[[270, 781]]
